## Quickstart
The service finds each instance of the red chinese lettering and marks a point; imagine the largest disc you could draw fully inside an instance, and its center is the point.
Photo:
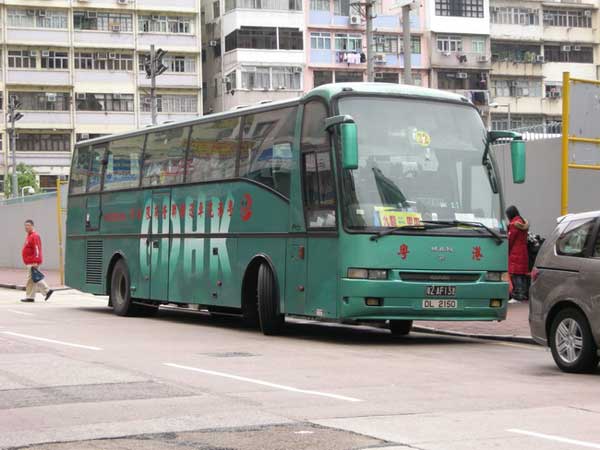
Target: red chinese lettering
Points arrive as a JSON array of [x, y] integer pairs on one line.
[[209, 209], [164, 211], [173, 210], [132, 213], [192, 210], [246, 209], [230, 208], [156, 211], [148, 213], [220, 209], [200, 208], [139, 214], [182, 210]]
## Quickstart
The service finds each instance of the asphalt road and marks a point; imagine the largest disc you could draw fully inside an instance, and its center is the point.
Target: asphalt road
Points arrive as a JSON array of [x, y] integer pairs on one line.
[[74, 376]]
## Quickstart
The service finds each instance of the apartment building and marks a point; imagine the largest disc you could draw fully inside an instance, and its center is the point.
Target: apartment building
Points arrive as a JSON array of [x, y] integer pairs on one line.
[[76, 67], [533, 43], [253, 51]]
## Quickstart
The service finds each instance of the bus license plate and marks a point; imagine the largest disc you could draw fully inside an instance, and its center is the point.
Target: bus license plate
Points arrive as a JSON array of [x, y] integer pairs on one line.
[[440, 291], [440, 304]]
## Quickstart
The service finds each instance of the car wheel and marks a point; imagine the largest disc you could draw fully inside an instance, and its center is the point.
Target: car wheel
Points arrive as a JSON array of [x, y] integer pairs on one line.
[[271, 321], [120, 292], [572, 343], [400, 327]]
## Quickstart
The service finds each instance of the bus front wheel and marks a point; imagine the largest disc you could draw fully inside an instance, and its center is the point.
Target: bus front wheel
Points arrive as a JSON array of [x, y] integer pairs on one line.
[[120, 294], [271, 321], [400, 327]]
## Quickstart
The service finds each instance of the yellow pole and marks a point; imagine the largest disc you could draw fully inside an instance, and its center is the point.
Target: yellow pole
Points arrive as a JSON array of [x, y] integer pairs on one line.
[[564, 200], [61, 268]]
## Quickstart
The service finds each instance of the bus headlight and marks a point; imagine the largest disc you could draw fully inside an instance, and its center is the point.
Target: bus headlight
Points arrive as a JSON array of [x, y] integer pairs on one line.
[[367, 274], [495, 276]]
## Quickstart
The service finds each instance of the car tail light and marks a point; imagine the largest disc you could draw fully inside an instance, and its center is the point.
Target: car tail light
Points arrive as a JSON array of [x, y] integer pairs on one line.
[[535, 273]]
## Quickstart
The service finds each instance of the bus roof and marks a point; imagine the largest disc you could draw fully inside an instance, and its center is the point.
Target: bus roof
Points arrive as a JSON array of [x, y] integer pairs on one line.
[[326, 91]]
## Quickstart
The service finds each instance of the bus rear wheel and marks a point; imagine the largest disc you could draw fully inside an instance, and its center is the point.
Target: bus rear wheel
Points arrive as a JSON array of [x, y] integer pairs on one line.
[[271, 321], [400, 327]]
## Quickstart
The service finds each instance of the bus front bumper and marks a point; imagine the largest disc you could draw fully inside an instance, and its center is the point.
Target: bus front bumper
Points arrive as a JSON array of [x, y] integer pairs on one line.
[[479, 301]]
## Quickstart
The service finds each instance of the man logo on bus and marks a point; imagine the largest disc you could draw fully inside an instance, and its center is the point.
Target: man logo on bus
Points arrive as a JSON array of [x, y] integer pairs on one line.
[[403, 251], [477, 255]]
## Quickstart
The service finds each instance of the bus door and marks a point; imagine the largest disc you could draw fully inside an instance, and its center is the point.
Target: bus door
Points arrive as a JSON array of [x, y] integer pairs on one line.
[[93, 207], [295, 277], [157, 244]]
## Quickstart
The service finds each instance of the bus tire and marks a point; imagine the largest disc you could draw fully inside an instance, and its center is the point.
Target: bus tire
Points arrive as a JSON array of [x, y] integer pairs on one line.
[[271, 321], [400, 327], [120, 290]]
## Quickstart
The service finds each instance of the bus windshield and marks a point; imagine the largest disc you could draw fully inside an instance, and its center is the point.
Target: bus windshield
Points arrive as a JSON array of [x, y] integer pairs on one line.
[[419, 160]]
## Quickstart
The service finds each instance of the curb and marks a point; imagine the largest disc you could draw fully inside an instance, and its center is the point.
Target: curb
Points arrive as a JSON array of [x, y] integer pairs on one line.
[[20, 287], [492, 337]]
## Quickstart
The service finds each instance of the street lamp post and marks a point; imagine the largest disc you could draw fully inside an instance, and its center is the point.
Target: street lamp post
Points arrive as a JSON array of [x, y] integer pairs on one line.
[[154, 67], [13, 117], [503, 105]]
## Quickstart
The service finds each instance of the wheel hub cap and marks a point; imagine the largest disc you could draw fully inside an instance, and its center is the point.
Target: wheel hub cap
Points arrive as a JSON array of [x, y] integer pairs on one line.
[[569, 340]]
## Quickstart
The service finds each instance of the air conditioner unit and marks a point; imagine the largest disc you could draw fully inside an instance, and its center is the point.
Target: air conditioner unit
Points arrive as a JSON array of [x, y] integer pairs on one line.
[[587, 13], [539, 59], [122, 2], [446, 53], [33, 52], [117, 96], [297, 69], [548, 17], [147, 101], [355, 19], [41, 13], [378, 75], [226, 80], [555, 94], [212, 43], [380, 58], [101, 55], [50, 97], [565, 48], [482, 59], [115, 28], [45, 53], [30, 12], [462, 75], [80, 96], [577, 48], [91, 14], [154, 17], [112, 56], [84, 136]]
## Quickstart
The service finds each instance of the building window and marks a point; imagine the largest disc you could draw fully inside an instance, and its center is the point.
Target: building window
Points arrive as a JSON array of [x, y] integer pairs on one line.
[[515, 53], [252, 37], [263, 78], [320, 41], [289, 78], [348, 42], [44, 142], [387, 77], [321, 77], [165, 24], [575, 18], [280, 5], [508, 15], [174, 63], [290, 39], [22, 59], [553, 89], [478, 45], [104, 102], [216, 9], [256, 78], [415, 42], [385, 43], [37, 18], [85, 136], [459, 8], [104, 61], [568, 53], [520, 87], [348, 77], [319, 5], [500, 121], [172, 103], [42, 101], [54, 60], [446, 43], [341, 7], [102, 21], [48, 183], [456, 80], [417, 79]]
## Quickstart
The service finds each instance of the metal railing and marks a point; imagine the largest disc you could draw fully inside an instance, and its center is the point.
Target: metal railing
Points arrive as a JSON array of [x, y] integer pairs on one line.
[[548, 130]]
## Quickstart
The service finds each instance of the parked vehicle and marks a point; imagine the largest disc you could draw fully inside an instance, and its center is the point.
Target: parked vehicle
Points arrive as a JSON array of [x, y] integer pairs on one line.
[[564, 311]]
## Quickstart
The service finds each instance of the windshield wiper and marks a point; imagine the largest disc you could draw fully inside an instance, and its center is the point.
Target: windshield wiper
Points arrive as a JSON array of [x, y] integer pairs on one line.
[[422, 226], [457, 223]]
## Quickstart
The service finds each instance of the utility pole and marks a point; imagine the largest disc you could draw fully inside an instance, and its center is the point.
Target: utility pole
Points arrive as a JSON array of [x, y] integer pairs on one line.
[[13, 117], [154, 67], [407, 43], [370, 56]]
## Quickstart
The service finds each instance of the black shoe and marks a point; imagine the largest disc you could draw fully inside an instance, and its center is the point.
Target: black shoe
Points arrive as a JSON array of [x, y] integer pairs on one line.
[[28, 300], [49, 294]]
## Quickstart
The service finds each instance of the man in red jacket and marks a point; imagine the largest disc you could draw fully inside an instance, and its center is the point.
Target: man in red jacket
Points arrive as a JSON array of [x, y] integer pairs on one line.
[[32, 258]]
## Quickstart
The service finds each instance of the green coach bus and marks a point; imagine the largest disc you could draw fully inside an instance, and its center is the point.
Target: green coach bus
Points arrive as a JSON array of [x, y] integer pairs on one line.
[[359, 202]]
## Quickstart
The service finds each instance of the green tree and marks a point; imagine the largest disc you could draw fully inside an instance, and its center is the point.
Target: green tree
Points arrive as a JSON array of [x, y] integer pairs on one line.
[[25, 177]]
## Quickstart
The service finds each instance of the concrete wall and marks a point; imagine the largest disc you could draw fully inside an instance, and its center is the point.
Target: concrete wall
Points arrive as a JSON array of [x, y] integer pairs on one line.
[[538, 199], [42, 210]]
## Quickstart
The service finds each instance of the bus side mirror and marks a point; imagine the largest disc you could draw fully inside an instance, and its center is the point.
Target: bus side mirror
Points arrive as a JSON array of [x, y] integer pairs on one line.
[[349, 134], [517, 155]]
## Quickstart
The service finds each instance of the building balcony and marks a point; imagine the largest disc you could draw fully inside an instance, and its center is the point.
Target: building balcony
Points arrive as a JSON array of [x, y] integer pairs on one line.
[[553, 70], [247, 97], [382, 60], [237, 18], [105, 121], [43, 77], [172, 5], [184, 42], [103, 81], [262, 57], [103, 39], [172, 80], [460, 60], [531, 33], [112, 4], [32, 36], [569, 34], [46, 119], [36, 159], [146, 118], [381, 22], [517, 68]]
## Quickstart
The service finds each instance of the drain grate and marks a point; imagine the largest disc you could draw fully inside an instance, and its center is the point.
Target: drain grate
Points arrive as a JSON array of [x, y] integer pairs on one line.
[[229, 354]]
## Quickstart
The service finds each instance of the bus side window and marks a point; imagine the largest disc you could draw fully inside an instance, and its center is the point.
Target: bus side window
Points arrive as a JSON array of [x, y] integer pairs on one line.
[[319, 184], [164, 158], [123, 163], [266, 151], [94, 177], [80, 170]]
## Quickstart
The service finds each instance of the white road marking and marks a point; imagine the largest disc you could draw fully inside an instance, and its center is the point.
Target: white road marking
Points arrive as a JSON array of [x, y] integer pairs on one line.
[[264, 383], [52, 341], [555, 438], [22, 313]]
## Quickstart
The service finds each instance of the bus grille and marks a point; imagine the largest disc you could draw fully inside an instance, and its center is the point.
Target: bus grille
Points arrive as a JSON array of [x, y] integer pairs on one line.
[[439, 277], [93, 262]]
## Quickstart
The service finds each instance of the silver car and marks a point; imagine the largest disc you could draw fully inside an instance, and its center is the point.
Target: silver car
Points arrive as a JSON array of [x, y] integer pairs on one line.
[[564, 309]]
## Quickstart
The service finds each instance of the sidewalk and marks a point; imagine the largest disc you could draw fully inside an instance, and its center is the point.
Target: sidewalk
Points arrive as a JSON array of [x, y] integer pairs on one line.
[[515, 328], [15, 278]]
